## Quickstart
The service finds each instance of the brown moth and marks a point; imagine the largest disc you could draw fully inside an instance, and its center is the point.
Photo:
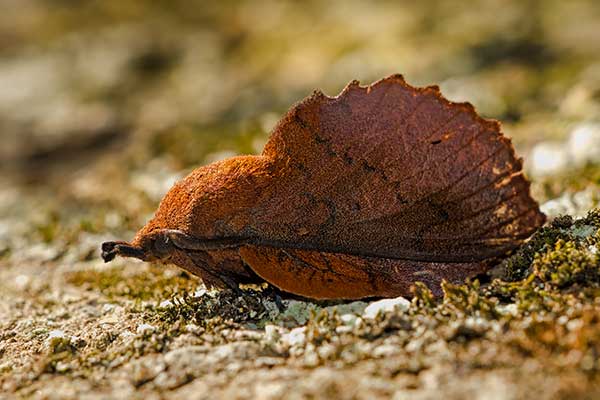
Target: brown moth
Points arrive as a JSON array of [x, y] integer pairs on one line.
[[354, 196]]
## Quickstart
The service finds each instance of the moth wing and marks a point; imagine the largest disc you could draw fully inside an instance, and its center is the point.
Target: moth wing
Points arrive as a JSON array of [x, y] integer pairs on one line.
[[319, 275], [393, 171]]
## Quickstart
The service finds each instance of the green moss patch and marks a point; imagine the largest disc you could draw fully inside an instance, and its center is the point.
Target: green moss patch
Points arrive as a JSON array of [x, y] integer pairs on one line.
[[150, 283]]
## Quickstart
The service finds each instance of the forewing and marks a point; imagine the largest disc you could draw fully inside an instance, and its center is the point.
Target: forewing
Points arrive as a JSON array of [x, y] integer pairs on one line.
[[393, 171]]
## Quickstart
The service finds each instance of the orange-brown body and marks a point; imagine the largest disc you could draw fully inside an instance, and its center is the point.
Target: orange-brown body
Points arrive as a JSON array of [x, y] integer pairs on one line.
[[355, 196]]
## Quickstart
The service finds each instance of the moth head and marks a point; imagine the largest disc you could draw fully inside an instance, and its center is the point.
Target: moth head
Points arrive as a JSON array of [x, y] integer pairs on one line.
[[196, 205], [155, 246]]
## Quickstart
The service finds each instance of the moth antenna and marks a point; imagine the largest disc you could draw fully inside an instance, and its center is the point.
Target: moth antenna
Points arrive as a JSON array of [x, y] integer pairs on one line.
[[112, 249]]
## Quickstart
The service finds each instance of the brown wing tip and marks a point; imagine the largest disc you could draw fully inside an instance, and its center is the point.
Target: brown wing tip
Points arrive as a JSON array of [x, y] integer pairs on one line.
[[318, 98], [317, 93], [399, 79]]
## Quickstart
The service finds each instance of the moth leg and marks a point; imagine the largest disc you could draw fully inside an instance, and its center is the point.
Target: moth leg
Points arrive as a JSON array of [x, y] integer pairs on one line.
[[202, 264], [279, 303], [231, 284]]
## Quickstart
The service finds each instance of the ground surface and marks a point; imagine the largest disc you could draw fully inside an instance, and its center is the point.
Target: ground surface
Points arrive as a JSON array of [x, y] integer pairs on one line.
[[103, 106]]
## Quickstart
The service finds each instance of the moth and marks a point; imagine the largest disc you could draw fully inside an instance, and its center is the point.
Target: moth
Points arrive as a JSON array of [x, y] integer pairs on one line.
[[353, 196]]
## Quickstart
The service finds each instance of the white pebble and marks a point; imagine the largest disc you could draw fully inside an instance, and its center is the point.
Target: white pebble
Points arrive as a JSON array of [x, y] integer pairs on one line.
[[548, 158], [358, 323], [145, 328], [385, 350], [106, 308], [348, 319], [574, 324], [343, 329], [584, 144], [576, 204], [296, 337], [272, 333], [22, 281], [508, 309], [165, 304], [385, 305], [56, 334], [193, 329]]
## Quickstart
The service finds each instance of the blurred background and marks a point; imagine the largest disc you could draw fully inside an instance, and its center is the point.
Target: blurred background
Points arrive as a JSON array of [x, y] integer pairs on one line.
[[104, 104]]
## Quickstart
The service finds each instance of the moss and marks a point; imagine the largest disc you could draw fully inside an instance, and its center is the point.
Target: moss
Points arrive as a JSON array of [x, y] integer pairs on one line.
[[423, 298], [468, 299], [213, 308], [517, 319], [321, 326], [567, 264], [150, 283], [49, 230], [557, 267], [518, 266], [592, 218]]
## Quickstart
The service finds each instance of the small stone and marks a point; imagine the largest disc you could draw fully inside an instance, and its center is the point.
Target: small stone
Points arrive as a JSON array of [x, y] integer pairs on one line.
[[22, 282], [246, 334], [384, 350], [311, 358], [165, 304], [62, 367], [548, 158], [386, 305], [575, 204], [56, 334], [584, 144], [106, 308], [145, 328], [348, 319], [508, 309], [194, 329], [271, 390], [575, 324], [272, 333], [58, 341], [359, 323], [296, 337], [109, 320], [325, 351], [343, 329]]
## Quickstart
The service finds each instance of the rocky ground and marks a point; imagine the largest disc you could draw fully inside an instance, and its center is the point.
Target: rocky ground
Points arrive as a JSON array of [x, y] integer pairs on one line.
[[103, 106]]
